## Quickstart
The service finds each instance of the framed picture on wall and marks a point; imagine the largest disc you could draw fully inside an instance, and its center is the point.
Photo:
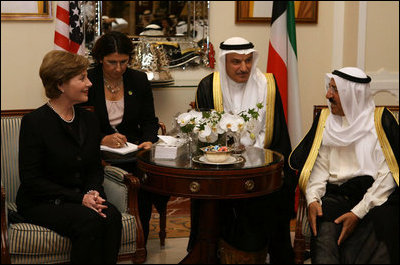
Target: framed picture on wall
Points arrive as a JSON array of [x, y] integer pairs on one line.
[[26, 10], [261, 11]]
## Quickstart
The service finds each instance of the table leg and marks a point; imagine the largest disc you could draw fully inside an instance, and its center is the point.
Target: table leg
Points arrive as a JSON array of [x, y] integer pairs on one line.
[[205, 249]]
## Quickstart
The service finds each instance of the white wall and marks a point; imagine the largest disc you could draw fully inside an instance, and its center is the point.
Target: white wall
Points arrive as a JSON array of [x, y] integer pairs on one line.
[[23, 45], [332, 42]]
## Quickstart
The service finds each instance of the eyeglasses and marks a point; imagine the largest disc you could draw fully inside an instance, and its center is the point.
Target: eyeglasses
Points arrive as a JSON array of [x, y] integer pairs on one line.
[[115, 63]]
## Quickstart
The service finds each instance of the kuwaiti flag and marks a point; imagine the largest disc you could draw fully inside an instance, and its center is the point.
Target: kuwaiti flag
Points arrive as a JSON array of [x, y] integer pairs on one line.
[[282, 62], [69, 28]]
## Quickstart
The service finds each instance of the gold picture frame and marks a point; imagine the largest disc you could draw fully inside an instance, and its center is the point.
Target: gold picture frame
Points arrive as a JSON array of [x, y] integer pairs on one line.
[[306, 12], [26, 10]]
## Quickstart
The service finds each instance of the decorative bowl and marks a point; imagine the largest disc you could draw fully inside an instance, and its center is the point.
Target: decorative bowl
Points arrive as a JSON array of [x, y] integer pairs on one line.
[[216, 153]]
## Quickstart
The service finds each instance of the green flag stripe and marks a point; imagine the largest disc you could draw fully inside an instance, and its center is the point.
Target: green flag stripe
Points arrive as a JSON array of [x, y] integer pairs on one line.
[[291, 26]]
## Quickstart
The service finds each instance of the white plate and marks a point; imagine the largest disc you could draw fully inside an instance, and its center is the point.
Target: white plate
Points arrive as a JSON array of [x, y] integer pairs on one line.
[[229, 161]]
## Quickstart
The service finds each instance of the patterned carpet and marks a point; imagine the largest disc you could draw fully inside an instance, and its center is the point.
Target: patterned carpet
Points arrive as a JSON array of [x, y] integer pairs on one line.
[[178, 219], [177, 226]]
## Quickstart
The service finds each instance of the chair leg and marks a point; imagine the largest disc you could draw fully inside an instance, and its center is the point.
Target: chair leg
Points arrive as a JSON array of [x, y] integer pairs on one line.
[[163, 223], [161, 206]]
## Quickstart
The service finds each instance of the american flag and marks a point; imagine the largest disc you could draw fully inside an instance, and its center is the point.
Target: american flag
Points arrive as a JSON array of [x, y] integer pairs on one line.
[[69, 28]]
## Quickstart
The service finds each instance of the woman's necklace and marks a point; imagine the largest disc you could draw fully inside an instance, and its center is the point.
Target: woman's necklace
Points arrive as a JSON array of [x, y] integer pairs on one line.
[[73, 113], [113, 88]]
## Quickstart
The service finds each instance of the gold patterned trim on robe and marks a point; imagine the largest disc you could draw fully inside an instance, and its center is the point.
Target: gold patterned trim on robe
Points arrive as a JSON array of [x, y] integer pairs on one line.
[[269, 109], [385, 145], [312, 157], [217, 93]]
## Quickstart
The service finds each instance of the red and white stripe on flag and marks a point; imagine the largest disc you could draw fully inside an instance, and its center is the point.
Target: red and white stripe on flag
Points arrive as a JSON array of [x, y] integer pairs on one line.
[[282, 62], [68, 34]]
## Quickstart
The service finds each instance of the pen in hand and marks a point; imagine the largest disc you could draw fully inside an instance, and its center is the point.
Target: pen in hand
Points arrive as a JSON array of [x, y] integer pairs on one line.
[[115, 129]]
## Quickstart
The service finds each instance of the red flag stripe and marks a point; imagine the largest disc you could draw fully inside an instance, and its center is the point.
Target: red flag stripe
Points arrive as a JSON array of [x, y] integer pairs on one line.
[[61, 41], [62, 15], [278, 67], [73, 47]]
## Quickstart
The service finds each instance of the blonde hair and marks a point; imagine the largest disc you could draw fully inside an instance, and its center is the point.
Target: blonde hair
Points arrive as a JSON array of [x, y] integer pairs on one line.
[[59, 67]]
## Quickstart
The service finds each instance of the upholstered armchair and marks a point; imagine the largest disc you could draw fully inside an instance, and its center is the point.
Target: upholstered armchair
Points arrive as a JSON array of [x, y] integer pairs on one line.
[[28, 243], [303, 230]]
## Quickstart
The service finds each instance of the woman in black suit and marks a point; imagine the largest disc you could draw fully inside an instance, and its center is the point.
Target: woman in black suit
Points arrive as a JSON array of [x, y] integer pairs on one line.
[[60, 166], [123, 101], [122, 97]]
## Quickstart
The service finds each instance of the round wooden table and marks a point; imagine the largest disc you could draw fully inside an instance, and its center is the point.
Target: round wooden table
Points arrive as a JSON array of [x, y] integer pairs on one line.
[[260, 173]]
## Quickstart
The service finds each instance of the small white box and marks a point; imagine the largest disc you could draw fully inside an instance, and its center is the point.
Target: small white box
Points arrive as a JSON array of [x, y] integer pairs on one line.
[[163, 151]]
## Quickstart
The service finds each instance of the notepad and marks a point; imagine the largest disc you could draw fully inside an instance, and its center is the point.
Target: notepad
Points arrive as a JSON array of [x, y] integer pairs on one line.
[[122, 151]]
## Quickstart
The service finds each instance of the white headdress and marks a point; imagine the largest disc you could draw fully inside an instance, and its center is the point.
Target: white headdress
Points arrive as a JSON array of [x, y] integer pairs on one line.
[[254, 89], [358, 107]]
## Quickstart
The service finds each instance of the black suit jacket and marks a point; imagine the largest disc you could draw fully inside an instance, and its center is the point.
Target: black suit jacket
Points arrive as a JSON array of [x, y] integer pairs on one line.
[[139, 123], [55, 164]]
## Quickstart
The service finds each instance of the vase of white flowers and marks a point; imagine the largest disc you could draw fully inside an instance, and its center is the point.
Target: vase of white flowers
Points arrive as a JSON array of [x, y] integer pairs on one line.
[[201, 128], [212, 127]]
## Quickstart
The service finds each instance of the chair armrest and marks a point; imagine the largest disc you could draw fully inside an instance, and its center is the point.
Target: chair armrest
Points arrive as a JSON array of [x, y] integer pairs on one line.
[[133, 184], [163, 128], [299, 244], [125, 182], [118, 189], [122, 190], [5, 252]]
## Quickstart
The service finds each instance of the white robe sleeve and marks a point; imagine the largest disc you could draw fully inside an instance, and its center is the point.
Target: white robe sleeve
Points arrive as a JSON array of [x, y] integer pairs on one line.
[[316, 185], [378, 193]]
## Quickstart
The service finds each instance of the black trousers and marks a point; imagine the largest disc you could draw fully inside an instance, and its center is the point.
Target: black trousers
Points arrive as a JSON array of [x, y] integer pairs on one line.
[[361, 247], [95, 240], [366, 244]]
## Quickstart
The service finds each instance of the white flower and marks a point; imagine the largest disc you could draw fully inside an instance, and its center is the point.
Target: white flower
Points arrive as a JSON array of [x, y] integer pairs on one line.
[[253, 127], [231, 122], [184, 119], [211, 138], [205, 132], [248, 138], [217, 129], [197, 115], [251, 130], [208, 135]]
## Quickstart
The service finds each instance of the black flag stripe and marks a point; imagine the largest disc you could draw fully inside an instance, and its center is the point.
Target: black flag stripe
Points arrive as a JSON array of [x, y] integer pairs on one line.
[[279, 7]]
